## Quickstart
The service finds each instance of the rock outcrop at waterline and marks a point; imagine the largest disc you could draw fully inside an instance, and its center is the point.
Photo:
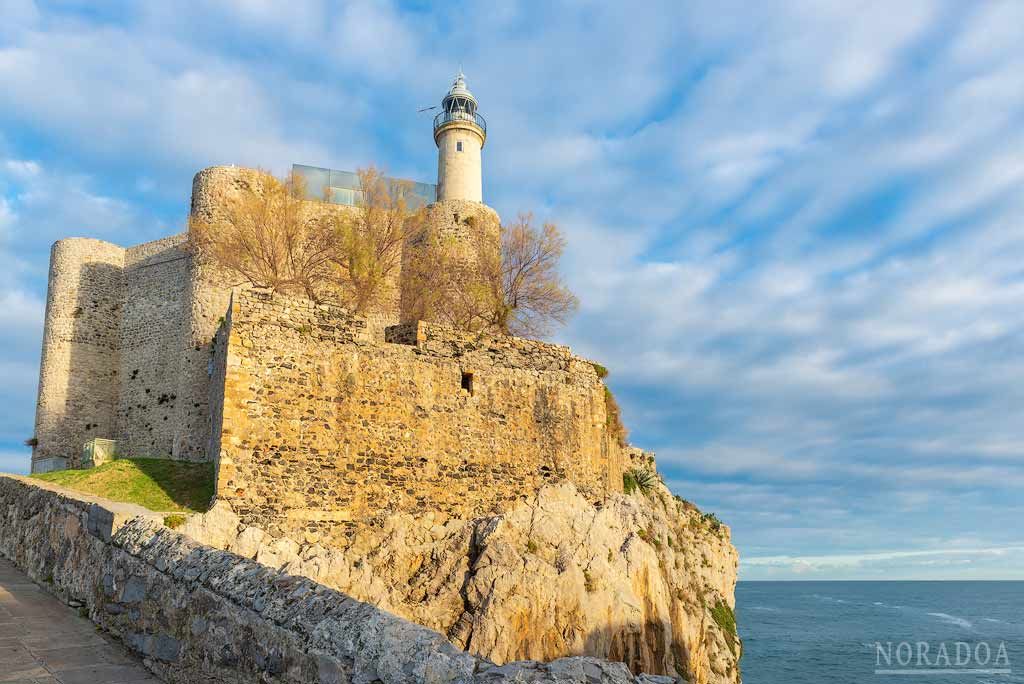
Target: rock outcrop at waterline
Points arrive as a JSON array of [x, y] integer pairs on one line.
[[644, 578]]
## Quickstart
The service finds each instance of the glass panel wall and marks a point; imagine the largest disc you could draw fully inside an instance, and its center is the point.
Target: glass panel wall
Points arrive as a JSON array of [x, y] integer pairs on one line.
[[342, 187]]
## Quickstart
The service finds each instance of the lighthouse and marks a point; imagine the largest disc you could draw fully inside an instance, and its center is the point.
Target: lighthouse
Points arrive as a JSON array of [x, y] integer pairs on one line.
[[460, 133]]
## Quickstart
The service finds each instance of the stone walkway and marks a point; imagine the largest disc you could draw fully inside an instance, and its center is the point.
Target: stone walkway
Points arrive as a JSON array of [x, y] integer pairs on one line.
[[45, 642]]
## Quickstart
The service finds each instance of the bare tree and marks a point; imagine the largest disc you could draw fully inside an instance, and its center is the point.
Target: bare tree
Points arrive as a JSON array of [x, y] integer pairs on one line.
[[482, 282], [265, 234], [429, 288], [369, 241], [269, 235], [533, 297], [487, 279]]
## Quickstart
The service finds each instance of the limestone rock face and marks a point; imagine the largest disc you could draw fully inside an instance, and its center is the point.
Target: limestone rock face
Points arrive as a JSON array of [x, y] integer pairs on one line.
[[640, 579]]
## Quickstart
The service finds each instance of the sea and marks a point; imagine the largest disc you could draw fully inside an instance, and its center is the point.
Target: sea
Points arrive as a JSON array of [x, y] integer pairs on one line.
[[881, 632]]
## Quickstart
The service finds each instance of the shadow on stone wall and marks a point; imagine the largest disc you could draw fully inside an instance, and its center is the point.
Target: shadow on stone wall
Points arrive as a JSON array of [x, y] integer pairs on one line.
[[642, 649], [93, 339]]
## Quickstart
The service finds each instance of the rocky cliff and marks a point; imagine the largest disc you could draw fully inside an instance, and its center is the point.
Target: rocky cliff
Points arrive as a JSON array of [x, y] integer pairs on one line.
[[644, 578], [197, 615]]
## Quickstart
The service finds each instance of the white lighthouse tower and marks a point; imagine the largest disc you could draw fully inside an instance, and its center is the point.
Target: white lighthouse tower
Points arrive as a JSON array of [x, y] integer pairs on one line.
[[460, 133]]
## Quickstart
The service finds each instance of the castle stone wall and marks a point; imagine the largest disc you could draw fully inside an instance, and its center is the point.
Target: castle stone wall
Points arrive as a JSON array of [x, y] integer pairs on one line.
[[324, 428], [207, 302], [152, 341], [78, 373], [122, 357], [128, 335]]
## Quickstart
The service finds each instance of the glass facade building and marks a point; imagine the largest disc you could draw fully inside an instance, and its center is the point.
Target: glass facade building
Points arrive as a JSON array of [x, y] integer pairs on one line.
[[342, 187]]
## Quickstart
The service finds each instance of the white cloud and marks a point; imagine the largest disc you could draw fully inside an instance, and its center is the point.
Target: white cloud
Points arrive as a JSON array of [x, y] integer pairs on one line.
[[115, 96], [6, 218], [833, 562], [21, 169], [991, 34]]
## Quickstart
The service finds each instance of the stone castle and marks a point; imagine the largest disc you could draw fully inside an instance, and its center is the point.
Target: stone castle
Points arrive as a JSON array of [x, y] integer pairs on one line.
[[316, 419]]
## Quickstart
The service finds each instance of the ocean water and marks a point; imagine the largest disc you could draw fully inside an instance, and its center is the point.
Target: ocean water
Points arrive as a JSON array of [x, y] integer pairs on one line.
[[824, 632]]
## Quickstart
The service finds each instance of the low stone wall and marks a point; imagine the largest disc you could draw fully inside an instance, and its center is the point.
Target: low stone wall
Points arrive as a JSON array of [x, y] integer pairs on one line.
[[198, 614]]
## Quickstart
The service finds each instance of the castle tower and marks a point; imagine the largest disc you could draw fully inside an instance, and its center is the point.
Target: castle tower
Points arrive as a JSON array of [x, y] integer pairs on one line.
[[460, 133]]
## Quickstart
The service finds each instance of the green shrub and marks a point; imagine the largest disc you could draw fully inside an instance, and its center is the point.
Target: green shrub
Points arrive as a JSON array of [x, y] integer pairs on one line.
[[638, 479], [601, 371], [531, 546], [175, 520], [712, 521], [687, 505], [645, 479]]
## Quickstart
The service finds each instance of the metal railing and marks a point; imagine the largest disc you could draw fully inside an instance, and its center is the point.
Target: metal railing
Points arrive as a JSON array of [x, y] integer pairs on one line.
[[459, 115]]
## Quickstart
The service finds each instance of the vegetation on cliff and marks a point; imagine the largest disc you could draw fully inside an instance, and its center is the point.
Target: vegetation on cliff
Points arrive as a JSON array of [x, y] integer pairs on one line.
[[153, 483], [638, 479], [725, 618]]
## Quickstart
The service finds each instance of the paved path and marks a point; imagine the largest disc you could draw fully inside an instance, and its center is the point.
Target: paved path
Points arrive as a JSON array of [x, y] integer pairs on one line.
[[42, 641]]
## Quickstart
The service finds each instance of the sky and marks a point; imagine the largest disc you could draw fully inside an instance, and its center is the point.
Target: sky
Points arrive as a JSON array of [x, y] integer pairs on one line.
[[795, 227]]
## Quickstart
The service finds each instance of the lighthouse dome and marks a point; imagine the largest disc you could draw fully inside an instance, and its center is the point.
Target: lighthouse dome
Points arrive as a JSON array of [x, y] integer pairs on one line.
[[459, 89]]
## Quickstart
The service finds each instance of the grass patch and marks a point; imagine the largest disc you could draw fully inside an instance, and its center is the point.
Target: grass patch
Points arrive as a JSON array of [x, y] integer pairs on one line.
[[726, 620], [154, 483]]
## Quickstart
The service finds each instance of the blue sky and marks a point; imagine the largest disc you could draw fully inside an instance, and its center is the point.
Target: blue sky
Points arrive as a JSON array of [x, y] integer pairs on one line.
[[795, 227]]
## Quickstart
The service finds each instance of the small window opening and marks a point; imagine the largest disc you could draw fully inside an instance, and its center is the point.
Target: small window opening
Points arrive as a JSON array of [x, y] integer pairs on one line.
[[458, 145], [467, 382]]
